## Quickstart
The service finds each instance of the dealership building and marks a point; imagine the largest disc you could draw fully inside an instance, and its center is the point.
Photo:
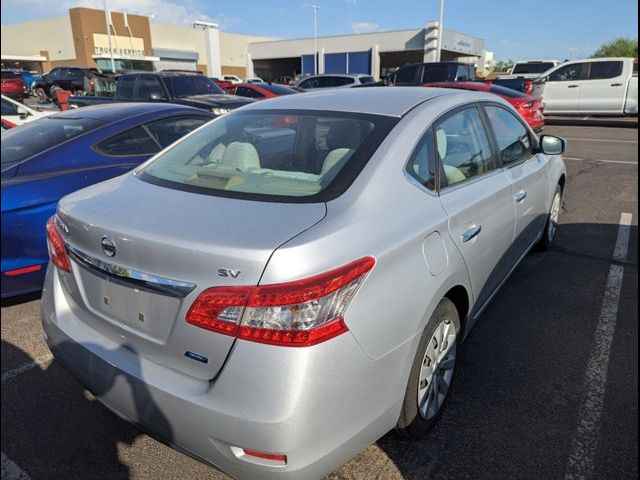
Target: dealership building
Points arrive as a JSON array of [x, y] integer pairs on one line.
[[90, 38]]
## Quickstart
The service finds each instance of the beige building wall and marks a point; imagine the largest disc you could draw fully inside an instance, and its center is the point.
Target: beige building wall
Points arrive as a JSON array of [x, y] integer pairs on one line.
[[30, 38], [175, 37]]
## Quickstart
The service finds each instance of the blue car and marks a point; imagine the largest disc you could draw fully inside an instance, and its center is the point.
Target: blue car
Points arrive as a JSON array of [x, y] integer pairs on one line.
[[46, 159]]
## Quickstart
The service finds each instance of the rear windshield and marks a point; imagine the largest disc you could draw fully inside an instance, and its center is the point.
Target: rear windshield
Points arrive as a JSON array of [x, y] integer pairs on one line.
[[279, 155], [192, 85], [435, 73], [34, 137], [538, 67], [277, 89], [506, 92]]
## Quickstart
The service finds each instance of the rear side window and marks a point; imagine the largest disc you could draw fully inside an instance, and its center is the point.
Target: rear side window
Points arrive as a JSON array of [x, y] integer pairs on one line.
[[168, 130], [463, 74], [279, 89], [272, 155], [512, 137], [421, 166], [365, 80], [601, 70], [340, 81], [533, 67], [568, 73], [130, 143], [462, 146], [124, 88]]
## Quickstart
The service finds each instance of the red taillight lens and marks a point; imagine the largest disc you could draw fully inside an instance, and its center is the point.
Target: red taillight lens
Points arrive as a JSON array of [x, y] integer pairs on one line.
[[300, 313], [55, 245], [528, 87]]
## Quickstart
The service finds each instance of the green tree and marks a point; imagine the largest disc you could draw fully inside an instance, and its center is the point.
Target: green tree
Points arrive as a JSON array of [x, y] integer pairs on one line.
[[618, 47], [503, 65]]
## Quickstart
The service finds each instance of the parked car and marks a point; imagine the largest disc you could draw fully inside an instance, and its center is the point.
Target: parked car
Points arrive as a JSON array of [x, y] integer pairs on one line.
[[417, 74], [530, 69], [261, 91], [17, 113], [182, 88], [333, 80], [223, 84], [29, 77], [596, 86], [11, 85], [269, 322], [56, 155], [530, 108], [80, 81], [232, 78]]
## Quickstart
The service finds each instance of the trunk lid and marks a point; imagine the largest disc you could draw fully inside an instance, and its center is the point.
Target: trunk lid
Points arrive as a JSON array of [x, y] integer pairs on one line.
[[168, 246]]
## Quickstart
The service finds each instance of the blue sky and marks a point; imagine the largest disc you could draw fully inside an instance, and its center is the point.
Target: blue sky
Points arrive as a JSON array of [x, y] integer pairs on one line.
[[512, 29]]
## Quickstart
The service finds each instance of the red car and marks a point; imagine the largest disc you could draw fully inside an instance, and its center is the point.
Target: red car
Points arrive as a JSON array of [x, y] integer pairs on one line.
[[261, 91], [12, 85], [530, 108]]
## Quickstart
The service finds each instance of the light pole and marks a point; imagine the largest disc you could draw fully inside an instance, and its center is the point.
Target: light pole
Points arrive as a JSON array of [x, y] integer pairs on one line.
[[315, 38], [439, 51], [108, 23]]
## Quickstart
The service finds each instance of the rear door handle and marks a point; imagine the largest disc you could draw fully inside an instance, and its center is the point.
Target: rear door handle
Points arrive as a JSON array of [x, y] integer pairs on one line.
[[616, 84], [573, 86], [520, 196], [471, 233]]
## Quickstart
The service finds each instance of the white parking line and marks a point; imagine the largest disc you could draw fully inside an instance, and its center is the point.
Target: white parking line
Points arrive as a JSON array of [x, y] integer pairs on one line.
[[580, 462], [11, 471], [622, 162], [14, 372], [600, 140]]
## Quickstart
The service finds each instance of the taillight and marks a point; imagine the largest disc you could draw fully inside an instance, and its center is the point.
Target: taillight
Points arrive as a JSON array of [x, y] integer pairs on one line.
[[55, 245], [528, 87], [300, 313]]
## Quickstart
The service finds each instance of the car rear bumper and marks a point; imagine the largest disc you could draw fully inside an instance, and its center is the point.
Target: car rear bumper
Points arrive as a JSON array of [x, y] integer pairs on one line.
[[318, 405]]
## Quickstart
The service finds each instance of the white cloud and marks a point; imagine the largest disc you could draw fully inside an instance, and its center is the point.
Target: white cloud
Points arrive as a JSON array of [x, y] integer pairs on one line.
[[364, 27], [160, 11]]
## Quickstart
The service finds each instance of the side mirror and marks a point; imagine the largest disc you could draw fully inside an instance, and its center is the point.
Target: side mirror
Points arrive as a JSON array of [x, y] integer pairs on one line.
[[550, 145]]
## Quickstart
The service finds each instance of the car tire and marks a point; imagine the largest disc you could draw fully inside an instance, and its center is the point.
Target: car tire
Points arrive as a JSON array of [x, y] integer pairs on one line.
[[41, 95], [551, 227], [418, 416]]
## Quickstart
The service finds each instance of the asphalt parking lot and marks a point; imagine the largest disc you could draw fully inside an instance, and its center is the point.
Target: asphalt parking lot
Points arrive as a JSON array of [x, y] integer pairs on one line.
[[546, 386]]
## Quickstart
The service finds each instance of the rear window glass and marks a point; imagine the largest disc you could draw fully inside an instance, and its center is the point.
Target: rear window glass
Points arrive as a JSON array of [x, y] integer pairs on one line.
[[600, 70], [278, 89], [435, 73], [407, 74], [365, 80], [277, 155], [8, 74], [506, 92], [537, 67], [34, 137]]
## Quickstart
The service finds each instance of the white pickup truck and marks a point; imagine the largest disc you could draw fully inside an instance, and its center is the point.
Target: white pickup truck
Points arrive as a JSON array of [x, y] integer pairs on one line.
[[530, 69], [595, 86]]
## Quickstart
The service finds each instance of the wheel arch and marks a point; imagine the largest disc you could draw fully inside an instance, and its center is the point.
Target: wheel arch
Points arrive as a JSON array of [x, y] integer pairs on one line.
[[459, 296]]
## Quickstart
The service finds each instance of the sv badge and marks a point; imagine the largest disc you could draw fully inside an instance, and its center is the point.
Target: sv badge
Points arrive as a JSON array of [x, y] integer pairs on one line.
[[227, 272]]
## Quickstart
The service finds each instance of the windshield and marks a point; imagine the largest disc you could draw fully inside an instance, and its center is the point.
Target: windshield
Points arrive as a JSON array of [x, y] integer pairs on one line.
[[272, 155], [538, 67], [34, 137], [189, 85]]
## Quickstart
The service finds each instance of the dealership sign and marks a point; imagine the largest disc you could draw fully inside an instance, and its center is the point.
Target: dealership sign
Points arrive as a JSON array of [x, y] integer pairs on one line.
[[121, 47]]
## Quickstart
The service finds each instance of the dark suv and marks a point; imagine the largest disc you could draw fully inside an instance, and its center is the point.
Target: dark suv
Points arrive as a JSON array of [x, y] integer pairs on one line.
[[80, 81], [417, 74]]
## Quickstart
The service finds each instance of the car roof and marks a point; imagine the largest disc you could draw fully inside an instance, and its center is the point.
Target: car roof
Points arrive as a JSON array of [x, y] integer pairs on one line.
[[390, 101], [111, 112]]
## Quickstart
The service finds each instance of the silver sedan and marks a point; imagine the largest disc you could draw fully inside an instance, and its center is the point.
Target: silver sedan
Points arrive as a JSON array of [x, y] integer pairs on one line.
[[292, 280]]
